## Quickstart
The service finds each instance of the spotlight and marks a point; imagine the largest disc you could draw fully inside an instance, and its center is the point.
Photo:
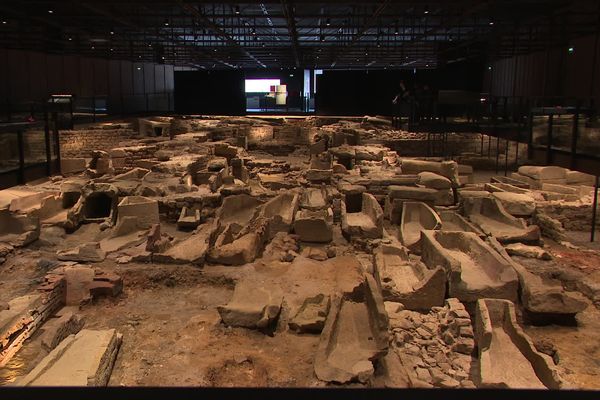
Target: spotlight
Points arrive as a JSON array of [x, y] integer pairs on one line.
[[70, 39], [50, 11], [571, 50], [237, 10], [491, 23], [253, 31], [112, 32], [112, 49], [166, 22], [322, 38], [4, 22], [489, 67], [139, 68], [426, 11], [328, 22]]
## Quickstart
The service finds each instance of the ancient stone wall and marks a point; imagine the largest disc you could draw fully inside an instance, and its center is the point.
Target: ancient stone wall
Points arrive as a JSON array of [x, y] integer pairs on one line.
[[572, 216], [81, 143]]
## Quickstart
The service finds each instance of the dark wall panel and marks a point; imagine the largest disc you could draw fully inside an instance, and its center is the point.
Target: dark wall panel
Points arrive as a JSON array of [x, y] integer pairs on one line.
[[149, 83], [87, 77], [54, 73], [100, 77], [4, 95], [126, 77], [169, 78], [159, 78], [71, 75], [138, 78], [211, 92], [37, 76], [549, 73], [19, 76]]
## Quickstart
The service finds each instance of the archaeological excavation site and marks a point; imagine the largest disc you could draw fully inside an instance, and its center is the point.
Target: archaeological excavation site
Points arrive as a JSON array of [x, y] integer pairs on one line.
[[174, 216]]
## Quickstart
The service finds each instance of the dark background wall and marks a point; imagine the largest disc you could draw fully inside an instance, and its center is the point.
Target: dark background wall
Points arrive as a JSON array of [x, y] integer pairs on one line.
[[551, 72], [222, 92], [371, 92], [210, 92], [27, 76]]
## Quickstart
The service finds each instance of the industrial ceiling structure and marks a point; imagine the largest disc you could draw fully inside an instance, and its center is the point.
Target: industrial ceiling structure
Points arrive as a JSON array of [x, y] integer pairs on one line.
[[296, 34]]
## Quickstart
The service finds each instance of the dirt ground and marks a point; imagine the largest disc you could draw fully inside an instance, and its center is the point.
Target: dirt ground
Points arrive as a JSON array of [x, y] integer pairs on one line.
[[172, 335]]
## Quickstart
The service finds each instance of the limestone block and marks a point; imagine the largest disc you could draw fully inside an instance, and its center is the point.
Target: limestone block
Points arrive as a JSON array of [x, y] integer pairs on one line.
[[516, 204], [314, 226], [143, 208], [252, 306]]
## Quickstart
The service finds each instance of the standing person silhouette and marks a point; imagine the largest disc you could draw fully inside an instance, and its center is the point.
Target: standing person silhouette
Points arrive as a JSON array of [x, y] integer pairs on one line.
[[400, 102]]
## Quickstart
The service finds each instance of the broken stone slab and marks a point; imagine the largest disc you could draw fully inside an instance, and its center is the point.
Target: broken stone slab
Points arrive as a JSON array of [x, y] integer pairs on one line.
[[544, 173], [507, 356], [539, 297], [364, 219], [239, 251], [126, 233], [473, 268], [492, 218], [83, 283], [280, 212], [276, 181], [426, 195], [237, 209], [313, 199], [433, 180], [66, 322], [407, 281], [315, 253], [579, 178], [18, 230], [311, 316], [318, 175], [189, 250], [369, 153], [505, 187], [354, 336], [448, 169], [85, 359], [453, 221], [523, 250], [69, 166], [25, 314], [88, 252], [314, 226], [14, 321], [143, 208], [189, 218], [510, 181], [416, 216], [252, 306], [536, 183], [516, 204]]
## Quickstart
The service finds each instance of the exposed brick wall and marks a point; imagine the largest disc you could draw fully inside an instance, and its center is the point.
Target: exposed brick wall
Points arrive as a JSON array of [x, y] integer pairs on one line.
[[81, 143], [573, 216]]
